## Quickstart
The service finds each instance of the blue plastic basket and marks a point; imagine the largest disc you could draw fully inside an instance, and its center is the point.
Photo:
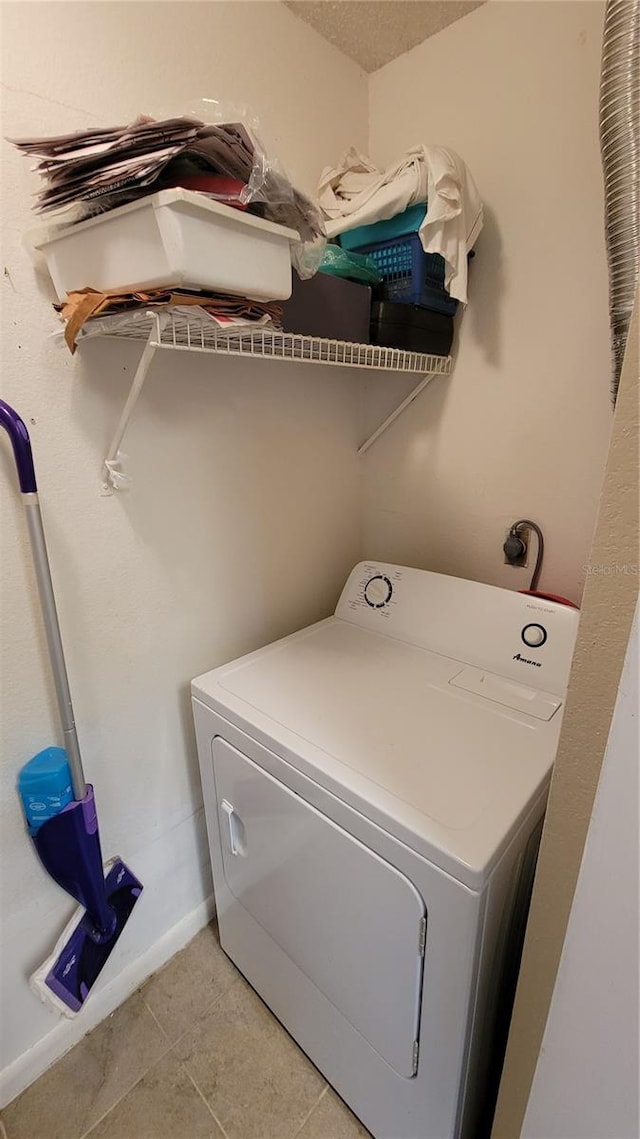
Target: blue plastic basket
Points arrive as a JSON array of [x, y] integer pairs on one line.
[[409, 221], [409, 275]]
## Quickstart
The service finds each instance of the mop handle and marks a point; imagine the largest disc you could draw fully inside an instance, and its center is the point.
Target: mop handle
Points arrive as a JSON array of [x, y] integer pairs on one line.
[[19, 436]]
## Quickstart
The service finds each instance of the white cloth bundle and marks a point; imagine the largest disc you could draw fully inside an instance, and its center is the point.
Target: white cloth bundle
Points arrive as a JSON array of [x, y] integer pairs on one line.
[[357, 193]]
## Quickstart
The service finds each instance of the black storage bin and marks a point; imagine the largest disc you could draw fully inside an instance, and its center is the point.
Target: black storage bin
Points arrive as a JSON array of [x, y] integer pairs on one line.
[[416, 329], [330, 307]]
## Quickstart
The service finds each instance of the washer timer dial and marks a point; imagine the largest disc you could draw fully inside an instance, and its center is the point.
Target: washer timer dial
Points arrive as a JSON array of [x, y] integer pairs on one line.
[[377, 591]]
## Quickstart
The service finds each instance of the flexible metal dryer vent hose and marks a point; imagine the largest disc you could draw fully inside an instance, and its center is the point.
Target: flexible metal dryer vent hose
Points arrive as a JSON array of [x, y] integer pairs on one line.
[[620, 147]]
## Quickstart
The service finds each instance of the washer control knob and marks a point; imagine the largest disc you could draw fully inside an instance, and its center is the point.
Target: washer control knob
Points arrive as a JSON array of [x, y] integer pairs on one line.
[[377, 591], [534, 635]]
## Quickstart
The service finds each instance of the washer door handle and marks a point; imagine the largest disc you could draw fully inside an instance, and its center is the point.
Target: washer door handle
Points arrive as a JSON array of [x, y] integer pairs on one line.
[[237, 832]]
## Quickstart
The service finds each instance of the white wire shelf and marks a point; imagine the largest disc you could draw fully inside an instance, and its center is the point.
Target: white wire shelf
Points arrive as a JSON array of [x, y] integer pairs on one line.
[[192, 333], [186, 331]]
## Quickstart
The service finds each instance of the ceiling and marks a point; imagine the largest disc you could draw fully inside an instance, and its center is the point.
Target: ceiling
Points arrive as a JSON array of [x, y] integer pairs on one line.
[[373, 32]]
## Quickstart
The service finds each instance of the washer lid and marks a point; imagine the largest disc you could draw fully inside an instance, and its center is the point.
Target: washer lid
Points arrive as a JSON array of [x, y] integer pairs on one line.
[[381, 724]]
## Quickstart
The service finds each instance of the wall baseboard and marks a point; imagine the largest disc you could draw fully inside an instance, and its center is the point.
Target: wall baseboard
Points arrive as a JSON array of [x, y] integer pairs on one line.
[[26, 1068]]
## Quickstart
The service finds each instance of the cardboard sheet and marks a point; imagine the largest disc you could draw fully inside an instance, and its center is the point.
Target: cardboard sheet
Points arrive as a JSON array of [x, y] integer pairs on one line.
[[227, 310]]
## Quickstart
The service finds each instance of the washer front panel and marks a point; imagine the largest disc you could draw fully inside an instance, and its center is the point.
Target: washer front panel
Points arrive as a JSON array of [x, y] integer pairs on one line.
[[391, 1106], [348, 919]]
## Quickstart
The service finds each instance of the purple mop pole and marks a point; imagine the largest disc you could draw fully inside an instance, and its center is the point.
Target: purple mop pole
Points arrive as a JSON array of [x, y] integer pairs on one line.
[[19, 436], [68, 844]]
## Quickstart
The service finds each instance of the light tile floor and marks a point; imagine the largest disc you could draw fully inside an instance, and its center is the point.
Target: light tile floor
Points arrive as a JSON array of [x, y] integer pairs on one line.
[[195, 1054]]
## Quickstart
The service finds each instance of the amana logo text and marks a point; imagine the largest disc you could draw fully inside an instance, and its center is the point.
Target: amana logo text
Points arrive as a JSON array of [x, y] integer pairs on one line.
[[525, 660]]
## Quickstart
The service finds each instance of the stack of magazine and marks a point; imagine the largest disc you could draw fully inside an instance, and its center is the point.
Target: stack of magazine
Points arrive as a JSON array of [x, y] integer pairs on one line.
[[110, 166]]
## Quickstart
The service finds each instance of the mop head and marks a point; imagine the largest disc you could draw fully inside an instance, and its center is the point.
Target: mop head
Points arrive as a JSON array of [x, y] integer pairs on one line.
[[66, 978]]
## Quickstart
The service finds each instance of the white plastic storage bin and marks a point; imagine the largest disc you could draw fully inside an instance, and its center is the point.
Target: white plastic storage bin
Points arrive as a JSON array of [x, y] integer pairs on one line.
[[176, 237]]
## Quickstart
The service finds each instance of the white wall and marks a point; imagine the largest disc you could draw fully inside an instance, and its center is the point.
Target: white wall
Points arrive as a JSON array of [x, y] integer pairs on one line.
[[586, 1081], [243, 520], [521, 427]]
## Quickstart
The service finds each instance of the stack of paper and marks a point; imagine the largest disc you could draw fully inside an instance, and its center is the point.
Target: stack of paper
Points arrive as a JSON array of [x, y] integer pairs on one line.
[[115, 164]]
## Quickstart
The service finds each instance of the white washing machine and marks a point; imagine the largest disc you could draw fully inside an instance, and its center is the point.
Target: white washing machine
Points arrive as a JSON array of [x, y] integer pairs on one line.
[[374, 787]]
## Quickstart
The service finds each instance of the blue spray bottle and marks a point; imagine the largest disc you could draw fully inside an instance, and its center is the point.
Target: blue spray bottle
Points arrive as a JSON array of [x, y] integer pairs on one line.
[[45, 787]]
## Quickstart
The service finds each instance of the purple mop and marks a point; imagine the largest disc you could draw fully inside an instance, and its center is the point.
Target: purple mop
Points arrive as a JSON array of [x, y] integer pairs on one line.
[[68, 843]]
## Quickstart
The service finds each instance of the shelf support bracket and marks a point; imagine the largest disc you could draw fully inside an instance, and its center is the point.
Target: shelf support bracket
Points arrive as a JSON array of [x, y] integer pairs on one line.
[[398, 411], [113, 463]]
